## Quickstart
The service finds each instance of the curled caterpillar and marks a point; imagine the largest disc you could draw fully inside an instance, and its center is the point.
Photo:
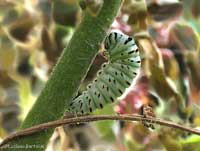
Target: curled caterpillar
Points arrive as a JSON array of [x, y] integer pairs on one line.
[[113, 78]]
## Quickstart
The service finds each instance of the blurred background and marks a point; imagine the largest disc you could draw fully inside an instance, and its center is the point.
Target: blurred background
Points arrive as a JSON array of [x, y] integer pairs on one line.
[[33, 34]]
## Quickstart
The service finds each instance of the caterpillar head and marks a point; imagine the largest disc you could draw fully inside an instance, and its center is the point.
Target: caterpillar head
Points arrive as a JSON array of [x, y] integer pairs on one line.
[[117, 41], [111, 40]]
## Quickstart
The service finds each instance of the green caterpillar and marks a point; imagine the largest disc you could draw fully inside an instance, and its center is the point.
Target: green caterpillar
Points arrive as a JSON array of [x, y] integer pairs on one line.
[[113, 78]]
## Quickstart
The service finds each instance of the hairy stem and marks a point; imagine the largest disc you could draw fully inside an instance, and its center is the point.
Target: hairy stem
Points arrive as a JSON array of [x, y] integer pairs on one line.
[[67, 74]]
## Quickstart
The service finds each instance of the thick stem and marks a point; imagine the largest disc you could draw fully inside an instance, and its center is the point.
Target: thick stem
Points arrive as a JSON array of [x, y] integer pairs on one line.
[[67, 75]]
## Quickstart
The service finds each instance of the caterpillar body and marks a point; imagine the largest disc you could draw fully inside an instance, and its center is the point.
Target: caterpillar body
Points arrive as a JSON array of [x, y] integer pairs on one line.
[[113, 78]]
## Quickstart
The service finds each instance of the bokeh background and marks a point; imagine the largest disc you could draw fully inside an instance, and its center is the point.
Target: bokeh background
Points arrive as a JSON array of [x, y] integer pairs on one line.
[[33, 34]]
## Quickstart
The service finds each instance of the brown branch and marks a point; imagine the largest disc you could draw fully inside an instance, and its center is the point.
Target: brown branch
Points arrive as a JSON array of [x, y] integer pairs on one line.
[[91, 118]]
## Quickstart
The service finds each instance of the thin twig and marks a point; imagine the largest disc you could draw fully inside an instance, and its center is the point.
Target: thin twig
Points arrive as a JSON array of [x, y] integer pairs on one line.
[[91, 118]]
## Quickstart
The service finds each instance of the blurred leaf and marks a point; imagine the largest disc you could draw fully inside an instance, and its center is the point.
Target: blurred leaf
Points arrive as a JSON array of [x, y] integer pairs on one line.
[[2, 94], [131, 144], [164, 10], [21, 28], [191, 139], [191, 143], [62, 36], [24, 68], [170, 64], [5, 80], [193, 61], [154, 68], [46, 11], [105, 127], [195, 25], [18, 23], [183, 37], [5, 6], [92, 6], [25, 95], [3, 133], [54, 39], [196, 8], [196, 114], [137, 11], [10, 16], [48, 45], [170, 142], [26, 99], [8, 54], [65, 13]]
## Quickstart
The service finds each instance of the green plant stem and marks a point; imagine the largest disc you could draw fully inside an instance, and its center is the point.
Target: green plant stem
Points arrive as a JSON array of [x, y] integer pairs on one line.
[[67, 75]]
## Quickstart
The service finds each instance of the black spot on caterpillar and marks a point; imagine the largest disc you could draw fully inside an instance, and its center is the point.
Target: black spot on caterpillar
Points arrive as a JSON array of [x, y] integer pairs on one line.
[[127, 40], [130, 52], [113, 78]]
